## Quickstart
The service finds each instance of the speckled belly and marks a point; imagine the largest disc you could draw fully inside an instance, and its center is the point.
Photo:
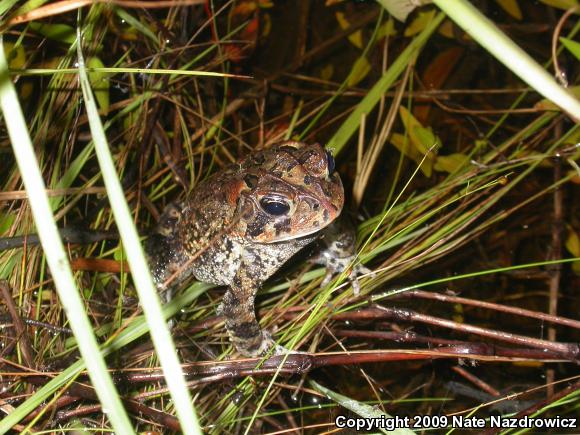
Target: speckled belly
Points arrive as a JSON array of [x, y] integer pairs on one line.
[[218, 264]]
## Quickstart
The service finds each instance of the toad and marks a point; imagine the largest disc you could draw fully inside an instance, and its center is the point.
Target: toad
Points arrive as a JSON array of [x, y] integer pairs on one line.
[[240, 225]]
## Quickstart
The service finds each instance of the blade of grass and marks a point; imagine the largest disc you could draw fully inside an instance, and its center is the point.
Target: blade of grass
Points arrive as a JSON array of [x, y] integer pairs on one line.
[[56, 257], [145, 287], [466, 16], [6, 5], [383, 421], [117, 70]]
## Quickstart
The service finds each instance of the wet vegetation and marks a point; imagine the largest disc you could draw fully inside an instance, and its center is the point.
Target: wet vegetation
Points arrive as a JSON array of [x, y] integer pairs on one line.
[[463, 181]]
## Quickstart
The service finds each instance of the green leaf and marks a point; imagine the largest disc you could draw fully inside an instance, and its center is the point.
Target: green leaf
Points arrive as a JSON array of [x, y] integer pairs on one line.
[[30, 5], [572, 46], [138, 25], [422, 138], [119, 253], [405, 145], [356, 37], [387, 29], [6, 221], [7, 266], [99, 82], [426, 139], [6, 5], [418, 143], [573, 242], [56, 32], [421, 21], [15, 55], [359, 71], [450, 163], [573, 246], [561, 4]]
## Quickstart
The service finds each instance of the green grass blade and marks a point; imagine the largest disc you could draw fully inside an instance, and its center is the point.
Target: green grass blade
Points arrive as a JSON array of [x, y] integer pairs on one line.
[[368, 412], [480, 28], [572, 46], [6, 5], [120, 70], [146, 290], [56, 258]]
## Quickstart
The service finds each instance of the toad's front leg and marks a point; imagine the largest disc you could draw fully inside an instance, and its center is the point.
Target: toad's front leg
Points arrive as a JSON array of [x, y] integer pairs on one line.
[[240, 314], [241, 323]]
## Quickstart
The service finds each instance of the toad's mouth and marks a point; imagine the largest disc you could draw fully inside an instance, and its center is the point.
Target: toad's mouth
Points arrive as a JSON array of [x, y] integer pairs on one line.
[[298, 236]]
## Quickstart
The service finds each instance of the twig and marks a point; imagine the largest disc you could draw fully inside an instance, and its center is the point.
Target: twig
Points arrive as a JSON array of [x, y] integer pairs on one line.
[[5, 321], [556, 254], [476, 381], [569, 351], [295, 363], [560, 75], [70, 5], [19, 326], [492, 306], [51, 193], [68, 235], [77, 389], [301, 363]]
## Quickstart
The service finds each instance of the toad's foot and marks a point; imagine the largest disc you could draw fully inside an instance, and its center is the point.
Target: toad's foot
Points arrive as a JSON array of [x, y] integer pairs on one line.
[[336, 265], [339, 253], [255, 348], [266, 346], [243, 328]]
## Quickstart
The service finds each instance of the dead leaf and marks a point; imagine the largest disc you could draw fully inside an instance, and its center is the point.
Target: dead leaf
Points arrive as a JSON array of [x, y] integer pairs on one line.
[[446, 29], [327, 72], [355, 38]]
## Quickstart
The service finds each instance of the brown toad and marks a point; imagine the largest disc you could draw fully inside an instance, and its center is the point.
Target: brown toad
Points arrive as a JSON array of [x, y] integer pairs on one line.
[[243, 223]]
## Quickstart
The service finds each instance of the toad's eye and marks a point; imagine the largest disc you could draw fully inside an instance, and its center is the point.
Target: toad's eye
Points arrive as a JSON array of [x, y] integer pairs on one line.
[[274, 206], [330, 162]]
